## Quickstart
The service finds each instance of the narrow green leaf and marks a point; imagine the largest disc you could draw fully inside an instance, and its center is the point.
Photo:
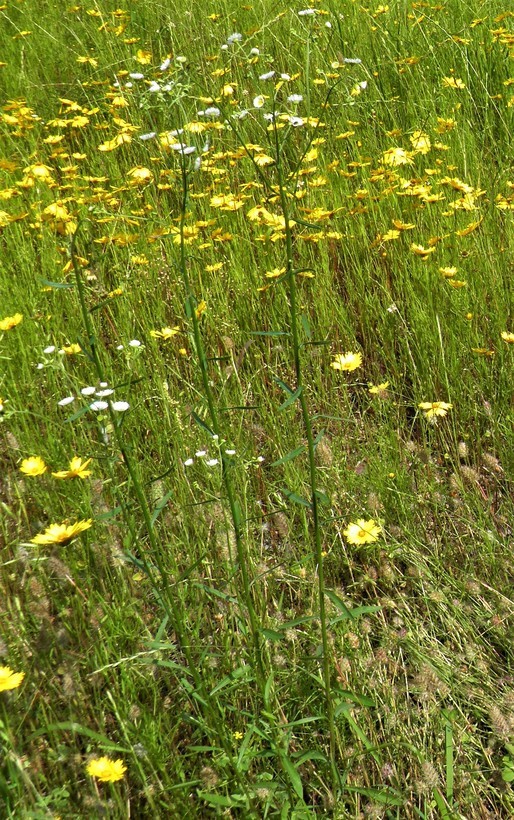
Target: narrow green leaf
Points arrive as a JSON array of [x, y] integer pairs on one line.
[[160, 506], [216, 799], [56, 285], [293, 775], [289, 456], [296, 499], [306, 326], [272, 635], [77, 729], [341, 606], [285, 387], [292, 398], [269, 333], [200, 422]]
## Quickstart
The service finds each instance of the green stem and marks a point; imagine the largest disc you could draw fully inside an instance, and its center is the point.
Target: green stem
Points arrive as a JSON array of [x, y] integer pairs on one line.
[[242, 553], [318, 548], [164, 594]]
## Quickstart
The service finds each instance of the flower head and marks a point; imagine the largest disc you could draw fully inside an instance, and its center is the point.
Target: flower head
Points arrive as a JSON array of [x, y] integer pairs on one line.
[[507, 337], [362, 532], [11, 321], [77, 469], [347, 361], [165, 333], [33, 466], [61, 533], [432, 409], [9, 679], [106, 770]]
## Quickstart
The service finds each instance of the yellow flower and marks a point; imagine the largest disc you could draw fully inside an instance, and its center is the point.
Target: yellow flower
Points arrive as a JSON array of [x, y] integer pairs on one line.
[[396, 156], [453, 82], [9, 679], [379, 389], [140, 175], [165, 333], [61, 533], [347, 361], [432, 409], [201, 308], [70, 350], [106, 770], [10, 321], [78, 469], [33, 466], [508, 337], [362, 532], [419, 250]]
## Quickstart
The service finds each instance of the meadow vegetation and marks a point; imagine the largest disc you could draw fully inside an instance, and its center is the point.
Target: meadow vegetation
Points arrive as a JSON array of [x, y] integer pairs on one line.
[[256, 416]]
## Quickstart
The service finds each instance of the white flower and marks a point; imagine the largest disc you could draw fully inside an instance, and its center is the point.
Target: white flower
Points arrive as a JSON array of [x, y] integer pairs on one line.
[[296, 122], [188, 462], [134, 343], [254, 52], [40, 366], [285, 77], [201, 453], [154, 86], [212, 111], [99, 405], [88, 391], [119, 347], [236, 37], [306, 12], [67, 400], [136, 75], [258, 101], [182, 148], [212, 462], [148, 136], [230, 452], [101, 394], [267, 76], [295, 98], [352, 61], [49, 349], [224, 47], [120, 406], [165, 64]]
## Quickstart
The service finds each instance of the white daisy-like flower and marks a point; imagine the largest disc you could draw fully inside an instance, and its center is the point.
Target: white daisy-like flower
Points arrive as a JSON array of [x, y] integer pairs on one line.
[[65, 401]]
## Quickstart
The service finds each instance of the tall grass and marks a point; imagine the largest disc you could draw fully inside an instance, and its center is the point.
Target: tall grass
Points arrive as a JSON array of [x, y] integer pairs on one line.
[[203, 212]]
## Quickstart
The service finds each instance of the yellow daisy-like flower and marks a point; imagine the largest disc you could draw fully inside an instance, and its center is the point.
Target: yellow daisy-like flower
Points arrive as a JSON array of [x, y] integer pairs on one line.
[[396, 156], [378, 389], [72, 349], [508, 337], [61, 533], [9, 679], [11, 321], [106, 770], [165, 333], [362, 532], [33, 466], [347, 361], [432, 409], [78, 469]]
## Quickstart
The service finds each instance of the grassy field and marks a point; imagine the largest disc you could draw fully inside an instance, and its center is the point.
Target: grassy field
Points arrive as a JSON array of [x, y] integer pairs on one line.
[[256, 416]]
